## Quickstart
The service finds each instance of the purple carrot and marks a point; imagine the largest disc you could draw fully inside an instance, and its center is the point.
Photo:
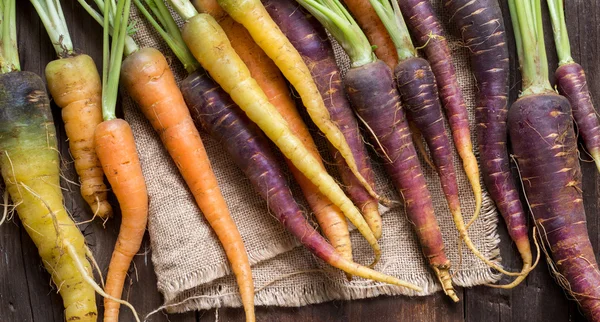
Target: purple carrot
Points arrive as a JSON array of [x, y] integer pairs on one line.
[[429, 35], [482, 30], [545, 148], [310, 39], [572, 84], [373, 94], [212, 109]]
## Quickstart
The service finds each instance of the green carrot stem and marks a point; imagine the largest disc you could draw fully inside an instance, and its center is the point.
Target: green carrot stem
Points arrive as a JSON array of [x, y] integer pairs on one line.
[[517, 30], [113, 58], [9, 53], [334, 16], [184, 8], [51, 14], [130, 45], [396, 27], [559, 28], [170, 33]]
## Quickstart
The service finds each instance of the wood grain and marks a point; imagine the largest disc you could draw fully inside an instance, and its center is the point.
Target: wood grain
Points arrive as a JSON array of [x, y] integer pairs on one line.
[[27, 295]]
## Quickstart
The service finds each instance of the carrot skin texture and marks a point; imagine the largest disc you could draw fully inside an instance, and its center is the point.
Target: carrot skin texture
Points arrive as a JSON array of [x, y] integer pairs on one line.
[[572, 84], [262, 28], [213, 110], [75, 85], [545, 147], [29, 160], [484, 34], [148, 79], [373, 94], [209, 44], [369, 22], [310, 39], [423, 23], [116, 150]]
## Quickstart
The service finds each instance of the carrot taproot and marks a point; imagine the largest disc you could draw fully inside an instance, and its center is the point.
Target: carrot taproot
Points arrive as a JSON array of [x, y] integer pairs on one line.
[[213, 109], [372, 91], [481, 27], [253, 16], [211, 47], [273, 84], [545, 147], [572, 84], [367, 19], [429, 35], [310, 39], [74, 83]]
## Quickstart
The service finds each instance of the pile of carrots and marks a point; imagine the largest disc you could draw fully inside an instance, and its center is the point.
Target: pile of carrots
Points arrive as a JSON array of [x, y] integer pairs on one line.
[[240, 56]]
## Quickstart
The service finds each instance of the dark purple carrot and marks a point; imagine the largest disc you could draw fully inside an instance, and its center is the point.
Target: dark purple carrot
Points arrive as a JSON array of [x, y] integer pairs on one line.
[[310, 39], [572, 84], [429, 35], [545, 148], [212, 109], [373, 94], [481, 27], [419, 95]]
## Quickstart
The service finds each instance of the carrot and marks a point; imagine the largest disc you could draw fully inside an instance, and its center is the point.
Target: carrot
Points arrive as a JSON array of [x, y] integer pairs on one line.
[[310, 39], [273, 84], [252, 15], [209, 44], [367, 19], [572, 83], [214, 110], [545, 148], [429, 35], [482, 29], [419, 93], [372, 91], [75, 85], [150, 82], [115, 147]]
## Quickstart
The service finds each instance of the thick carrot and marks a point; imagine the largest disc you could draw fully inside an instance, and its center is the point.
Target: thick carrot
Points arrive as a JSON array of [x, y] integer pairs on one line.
[[116, 150], [273, 84], [214, 110], [545, 148], [572, 83], [210, 46], [269, 37], [374, 29], [481, 27], [148, 79], [372, 91], [75, 86], [310, 39], [428, 32], [30, 168]]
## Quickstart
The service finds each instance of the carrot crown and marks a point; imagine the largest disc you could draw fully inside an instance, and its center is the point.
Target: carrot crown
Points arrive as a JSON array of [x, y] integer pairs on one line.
[[9, 53], [394, 23], [338, 21], [529, 35], [559, 28], [130, 45], [169, 31], [112, 55], [184, 8], [51, 14]]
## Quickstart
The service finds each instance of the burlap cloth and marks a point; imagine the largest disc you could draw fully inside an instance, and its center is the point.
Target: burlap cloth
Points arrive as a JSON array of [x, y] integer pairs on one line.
[[191, 267]]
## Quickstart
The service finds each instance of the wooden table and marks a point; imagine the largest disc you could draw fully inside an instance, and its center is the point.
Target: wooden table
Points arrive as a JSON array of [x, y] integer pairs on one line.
[[27, 295]]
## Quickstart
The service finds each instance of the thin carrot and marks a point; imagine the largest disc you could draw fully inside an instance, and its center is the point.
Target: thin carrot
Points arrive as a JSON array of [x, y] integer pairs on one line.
[[369, 22], [271, 81]]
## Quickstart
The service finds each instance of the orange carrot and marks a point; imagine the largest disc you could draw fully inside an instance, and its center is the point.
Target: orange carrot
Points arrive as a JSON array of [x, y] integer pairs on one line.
[[271, 81], [374, 29], [148, 79], [117, 153]]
